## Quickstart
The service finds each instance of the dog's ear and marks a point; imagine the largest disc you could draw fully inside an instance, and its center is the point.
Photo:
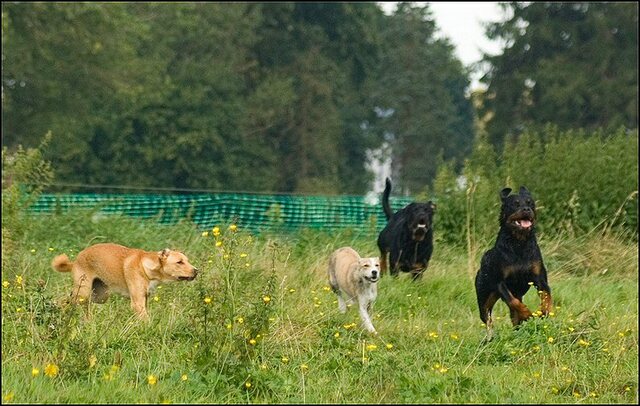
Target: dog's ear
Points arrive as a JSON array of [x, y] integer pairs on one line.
[[504, 193], [151, 263], [524, 191], [164, 254]]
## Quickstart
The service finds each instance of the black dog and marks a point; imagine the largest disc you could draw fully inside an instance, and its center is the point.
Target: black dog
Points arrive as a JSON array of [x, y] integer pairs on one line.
[[514, 264], [407, 237]]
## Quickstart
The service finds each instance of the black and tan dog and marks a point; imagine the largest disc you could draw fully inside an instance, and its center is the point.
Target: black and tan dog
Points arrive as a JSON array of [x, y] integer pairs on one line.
[[406, 242], [514, 264]]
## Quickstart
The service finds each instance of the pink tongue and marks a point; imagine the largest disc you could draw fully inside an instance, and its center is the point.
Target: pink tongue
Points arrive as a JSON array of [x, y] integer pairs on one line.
[[525, 223]]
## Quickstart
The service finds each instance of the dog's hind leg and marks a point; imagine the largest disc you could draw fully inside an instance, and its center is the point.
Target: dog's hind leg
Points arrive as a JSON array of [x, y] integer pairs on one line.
[[383, 262], [485, 304], [81, 293], [100, 291], [395, 264]]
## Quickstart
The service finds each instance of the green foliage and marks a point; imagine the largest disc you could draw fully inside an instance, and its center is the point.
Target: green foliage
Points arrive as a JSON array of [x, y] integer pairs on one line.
[[581, 181], [571, 64], [24, 175]]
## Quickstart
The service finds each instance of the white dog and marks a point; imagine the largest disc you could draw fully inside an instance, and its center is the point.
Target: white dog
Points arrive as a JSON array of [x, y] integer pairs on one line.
[[355, 278]]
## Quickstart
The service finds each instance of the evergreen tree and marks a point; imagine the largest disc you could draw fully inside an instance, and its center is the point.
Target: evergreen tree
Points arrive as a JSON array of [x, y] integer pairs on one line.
[[572, 64], [420, 95]]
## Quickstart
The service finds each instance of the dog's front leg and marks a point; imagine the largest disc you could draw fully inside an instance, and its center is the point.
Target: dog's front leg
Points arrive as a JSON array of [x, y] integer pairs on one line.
[[342, 305], [139, 305], [363, 306], [545, 297], [519, 312]]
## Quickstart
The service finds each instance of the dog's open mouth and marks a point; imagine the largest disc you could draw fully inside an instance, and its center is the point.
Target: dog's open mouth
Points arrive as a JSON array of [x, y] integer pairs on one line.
[[186, 278], [420, 231], [372, 279], [523, 223]]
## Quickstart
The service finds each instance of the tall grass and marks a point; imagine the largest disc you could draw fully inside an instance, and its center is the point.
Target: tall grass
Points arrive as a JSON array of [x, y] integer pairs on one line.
[[261, 325]]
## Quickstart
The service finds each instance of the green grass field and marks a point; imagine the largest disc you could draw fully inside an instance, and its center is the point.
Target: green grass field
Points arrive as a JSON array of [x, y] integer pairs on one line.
[[260, 325]]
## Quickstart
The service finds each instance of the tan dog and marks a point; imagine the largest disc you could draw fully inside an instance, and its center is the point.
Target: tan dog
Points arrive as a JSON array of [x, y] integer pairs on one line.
[[105, 268], [355, 278]]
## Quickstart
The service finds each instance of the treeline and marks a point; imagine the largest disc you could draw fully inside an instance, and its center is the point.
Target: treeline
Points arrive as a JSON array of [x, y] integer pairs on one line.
[[281, 97], [291, 97]]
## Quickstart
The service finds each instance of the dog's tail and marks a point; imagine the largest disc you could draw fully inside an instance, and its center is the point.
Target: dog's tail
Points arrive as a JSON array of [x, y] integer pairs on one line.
[[62, 263], [385, 199]]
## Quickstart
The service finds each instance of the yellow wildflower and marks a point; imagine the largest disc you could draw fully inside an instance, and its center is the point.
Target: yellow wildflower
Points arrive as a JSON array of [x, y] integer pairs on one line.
[[247, 384], [19, 279], [205, 233], [218, 243], [285, 360], [152, 380], [8, 397], [372, 347], [550, 340], [337, 334], [6, 284], [51, 370], [584, 343], [233, 227], [389, 346], [266, 299], [207, 300], [252, 341], [35, 372], [216, 231], [184, 377]]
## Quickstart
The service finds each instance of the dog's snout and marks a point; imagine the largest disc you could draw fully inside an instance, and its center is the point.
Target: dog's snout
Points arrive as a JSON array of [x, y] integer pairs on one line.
[[374, 273], [195, 271]]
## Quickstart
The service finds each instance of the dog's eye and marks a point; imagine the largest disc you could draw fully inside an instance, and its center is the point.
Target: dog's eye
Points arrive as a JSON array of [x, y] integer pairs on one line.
[[181, 262]]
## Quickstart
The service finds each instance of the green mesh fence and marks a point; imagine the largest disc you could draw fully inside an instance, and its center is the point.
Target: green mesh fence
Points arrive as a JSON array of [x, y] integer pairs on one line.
[[249, 211]]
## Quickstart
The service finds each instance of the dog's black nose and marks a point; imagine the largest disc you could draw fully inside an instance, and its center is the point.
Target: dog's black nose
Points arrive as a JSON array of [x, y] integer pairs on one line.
[[374, 273], [195, 271]]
